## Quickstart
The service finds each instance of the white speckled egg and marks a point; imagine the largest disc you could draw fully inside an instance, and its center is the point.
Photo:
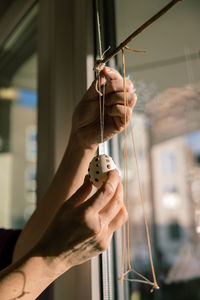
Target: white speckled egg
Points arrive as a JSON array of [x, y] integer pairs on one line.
[[99, 168]]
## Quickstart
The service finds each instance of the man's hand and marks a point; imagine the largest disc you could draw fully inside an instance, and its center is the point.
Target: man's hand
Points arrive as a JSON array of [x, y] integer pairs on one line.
[[86, 118], [84, 228]]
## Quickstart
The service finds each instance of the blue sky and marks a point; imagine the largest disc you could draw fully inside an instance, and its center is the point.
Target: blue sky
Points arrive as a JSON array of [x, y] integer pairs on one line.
[[193, 139]]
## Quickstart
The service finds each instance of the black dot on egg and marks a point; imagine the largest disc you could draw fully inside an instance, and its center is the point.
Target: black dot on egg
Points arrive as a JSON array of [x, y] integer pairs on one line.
[[109, 166], [97, 165], [96, 179], [97, 172]]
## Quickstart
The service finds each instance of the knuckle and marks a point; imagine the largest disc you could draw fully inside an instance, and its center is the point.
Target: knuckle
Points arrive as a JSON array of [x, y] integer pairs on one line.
[[86, 215], [131, 99], [91, 222], [119, 201], [102, 245], [94, 230], [112, 85], [109, 189]]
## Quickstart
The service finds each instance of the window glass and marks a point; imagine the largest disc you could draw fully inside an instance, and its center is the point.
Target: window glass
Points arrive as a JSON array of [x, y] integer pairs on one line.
[[166, 123], [18, 118]]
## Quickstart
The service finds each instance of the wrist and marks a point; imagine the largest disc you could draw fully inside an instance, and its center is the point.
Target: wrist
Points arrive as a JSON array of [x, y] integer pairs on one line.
[[54, 266], [76, 144], [30, 275], [78, 141]]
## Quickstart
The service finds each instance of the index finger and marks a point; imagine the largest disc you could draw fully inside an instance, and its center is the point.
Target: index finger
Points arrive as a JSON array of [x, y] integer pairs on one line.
[[101, 198], [111, 73]]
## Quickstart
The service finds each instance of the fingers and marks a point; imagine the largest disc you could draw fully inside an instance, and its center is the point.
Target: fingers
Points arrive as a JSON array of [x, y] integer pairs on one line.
[[81, 194], [119, 111], [113, 86], [118, 98], [101, 198], [111, 73], [105, 212], [118, 220], [113, 206]]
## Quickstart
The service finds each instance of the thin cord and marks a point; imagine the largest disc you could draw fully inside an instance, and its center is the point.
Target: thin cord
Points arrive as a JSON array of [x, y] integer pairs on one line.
[[139, 275], [125, 159], [99, 90], [103, 113], [123, 252], [154, 284], [101, 106], [144, 213], [99, 30]]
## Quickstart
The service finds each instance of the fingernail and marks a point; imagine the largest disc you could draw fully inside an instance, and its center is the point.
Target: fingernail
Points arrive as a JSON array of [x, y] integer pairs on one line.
[[130, 84], [109, 70]]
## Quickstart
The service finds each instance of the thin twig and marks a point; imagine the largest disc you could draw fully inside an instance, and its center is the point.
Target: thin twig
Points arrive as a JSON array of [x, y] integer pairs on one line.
[[135, 33]]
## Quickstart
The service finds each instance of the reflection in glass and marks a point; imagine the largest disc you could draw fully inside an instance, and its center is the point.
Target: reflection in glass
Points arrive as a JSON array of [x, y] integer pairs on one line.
[[166, 123], [18, 118]]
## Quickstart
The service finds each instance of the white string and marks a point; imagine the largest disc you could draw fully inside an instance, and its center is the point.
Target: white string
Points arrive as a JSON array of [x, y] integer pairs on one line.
[[99, 30], [101, 90], [102, 111]]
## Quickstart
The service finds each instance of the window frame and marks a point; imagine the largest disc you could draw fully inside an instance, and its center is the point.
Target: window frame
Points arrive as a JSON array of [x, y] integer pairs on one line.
[[66, 66], [12, 16]]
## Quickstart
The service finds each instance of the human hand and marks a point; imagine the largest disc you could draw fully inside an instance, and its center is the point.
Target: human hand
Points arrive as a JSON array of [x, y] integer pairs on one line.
[[83, 228], [86, 118]]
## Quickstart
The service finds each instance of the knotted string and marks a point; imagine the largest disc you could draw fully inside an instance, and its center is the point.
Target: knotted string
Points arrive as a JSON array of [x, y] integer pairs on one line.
[[100, 89], [126, 235], [126, 228]]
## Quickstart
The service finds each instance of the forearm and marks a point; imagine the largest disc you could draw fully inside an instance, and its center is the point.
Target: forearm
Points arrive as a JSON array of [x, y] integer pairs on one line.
[[67, 180], [26, 279], [72, 170]]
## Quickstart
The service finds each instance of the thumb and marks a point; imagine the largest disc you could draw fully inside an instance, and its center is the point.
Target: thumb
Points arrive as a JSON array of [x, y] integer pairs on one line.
[[81, 194]]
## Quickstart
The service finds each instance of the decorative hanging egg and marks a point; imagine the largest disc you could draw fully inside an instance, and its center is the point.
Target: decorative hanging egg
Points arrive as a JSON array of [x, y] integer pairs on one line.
[[99, 168]]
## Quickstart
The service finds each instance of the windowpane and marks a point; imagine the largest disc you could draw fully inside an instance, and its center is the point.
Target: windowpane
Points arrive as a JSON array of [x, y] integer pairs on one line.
[[166, 123], [18, 118]]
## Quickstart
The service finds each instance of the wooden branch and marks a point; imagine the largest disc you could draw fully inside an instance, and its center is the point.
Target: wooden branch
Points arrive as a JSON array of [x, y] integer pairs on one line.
[[135, 33]]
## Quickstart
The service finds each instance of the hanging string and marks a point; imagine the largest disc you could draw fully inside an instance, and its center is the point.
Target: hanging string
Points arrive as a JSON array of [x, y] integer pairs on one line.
[[125, 158], [130, 269], [99, 89], [99, 30], [126, 227], [102, 112], [144, 212], [155, 285], [133, 50]]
